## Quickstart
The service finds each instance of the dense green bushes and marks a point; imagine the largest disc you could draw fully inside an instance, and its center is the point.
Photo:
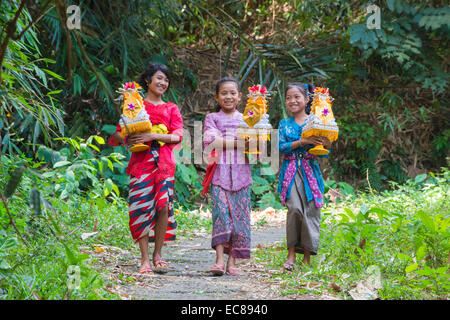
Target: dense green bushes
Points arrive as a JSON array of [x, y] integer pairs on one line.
[[55, 209], [402, 235]]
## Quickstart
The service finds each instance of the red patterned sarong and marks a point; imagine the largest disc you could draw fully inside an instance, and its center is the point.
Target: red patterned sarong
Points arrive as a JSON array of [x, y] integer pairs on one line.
[[148, 196]]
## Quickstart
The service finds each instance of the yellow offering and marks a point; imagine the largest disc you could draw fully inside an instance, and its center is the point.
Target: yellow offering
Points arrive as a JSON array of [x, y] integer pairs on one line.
[[255, 124], [134, 118], [321, 122]]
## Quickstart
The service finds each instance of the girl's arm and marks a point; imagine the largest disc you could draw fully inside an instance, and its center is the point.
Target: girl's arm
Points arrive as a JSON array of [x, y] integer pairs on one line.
[[315, 140], [284, 146], [326, 142], [116, 139], [174, 135], [226, 144], [213, 136], [147, 137], [287, 147]]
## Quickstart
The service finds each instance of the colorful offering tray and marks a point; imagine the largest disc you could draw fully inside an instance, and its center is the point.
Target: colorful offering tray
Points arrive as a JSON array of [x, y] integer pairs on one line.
[[321, 122], [255, 124], [134, 118]]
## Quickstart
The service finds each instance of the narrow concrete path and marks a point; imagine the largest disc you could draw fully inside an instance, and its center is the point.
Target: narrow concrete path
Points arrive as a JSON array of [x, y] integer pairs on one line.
[[189, 279]]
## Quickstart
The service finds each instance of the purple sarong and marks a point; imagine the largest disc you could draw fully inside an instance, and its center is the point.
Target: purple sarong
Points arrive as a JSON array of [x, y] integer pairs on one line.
[[231, 220]]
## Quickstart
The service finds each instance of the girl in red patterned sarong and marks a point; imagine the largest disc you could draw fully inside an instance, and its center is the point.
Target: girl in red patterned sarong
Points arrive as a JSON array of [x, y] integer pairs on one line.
[[152, 172]]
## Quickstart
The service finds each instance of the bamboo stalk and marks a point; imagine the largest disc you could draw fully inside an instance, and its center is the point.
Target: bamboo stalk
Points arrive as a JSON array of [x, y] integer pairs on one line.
[[10, 29], [11, 220], [94, 70]]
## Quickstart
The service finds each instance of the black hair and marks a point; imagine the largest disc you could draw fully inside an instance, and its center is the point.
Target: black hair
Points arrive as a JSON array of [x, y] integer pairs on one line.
[[306, 89], [150, 71], [219, 84]]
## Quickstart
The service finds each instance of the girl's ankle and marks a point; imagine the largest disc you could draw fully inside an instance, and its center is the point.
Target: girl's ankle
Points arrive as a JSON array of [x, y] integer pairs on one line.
[[145, 262], [291, 258]]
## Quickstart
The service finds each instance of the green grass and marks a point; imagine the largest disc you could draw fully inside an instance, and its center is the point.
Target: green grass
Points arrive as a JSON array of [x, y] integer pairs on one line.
[[406, 234], [35, 259], [405, 230]]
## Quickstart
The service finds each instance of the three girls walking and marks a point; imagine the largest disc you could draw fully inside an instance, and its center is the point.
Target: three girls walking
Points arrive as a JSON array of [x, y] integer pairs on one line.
[[152, 173]]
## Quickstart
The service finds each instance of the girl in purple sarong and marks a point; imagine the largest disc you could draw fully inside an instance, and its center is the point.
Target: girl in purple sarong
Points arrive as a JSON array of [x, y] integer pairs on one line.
[[230, 184]]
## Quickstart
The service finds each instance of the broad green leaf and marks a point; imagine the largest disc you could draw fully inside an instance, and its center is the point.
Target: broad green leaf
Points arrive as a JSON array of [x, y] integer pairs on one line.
[[108, 187], [411, 268], [109, 129], [441, 270], [94, 147], [350, 213], [116, 189], [64, 194], [7, 244], [344, 218], [110, 165], [99, 140], [420, 178], [426, 220], [379, 212], [364, 209], [426, 271], [61, 164], [346, 189], [421, 252], [100, 165], [70, 176], [403, 257]]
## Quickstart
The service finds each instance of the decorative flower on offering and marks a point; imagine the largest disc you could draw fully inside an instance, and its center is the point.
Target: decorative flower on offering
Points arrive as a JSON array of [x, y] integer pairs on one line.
[[321, 122], [255, 123], [131, 85]]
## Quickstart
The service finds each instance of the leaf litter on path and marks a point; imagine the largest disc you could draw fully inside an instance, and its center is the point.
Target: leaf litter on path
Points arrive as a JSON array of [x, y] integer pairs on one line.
[[190, 260]]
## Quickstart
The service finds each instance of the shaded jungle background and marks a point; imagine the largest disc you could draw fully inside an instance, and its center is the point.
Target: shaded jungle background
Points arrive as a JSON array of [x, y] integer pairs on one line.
[[64, 189], [389, 84]]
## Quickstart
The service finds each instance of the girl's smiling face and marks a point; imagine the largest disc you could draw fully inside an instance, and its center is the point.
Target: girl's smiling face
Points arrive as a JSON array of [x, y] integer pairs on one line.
[[228, 96], [159, 83], [295, 100]]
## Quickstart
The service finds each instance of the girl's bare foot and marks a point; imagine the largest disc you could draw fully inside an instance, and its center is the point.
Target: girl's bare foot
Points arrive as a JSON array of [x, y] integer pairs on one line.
[[219, 268], [219, 255], [290, 260], [231, 267], [145, 267], [231, 262], [306, 258]]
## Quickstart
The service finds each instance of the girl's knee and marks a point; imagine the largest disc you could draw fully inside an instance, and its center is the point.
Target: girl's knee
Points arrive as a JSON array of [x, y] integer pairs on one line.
[[164, 211]]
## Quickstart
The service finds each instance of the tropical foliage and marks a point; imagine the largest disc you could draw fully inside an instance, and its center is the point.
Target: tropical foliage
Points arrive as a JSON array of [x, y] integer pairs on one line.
[[58, 108], [391, 245]]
